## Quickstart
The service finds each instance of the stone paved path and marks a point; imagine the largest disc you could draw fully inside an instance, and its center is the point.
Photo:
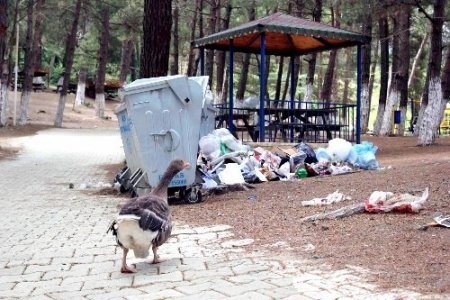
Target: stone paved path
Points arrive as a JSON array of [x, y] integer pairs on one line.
[[53, 243]]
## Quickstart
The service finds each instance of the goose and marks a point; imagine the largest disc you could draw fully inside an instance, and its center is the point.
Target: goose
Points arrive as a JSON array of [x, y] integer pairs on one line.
[[146, 221]]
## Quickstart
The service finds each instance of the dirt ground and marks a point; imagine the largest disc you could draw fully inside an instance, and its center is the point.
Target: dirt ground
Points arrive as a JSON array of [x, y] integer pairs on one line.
[[391, 245]]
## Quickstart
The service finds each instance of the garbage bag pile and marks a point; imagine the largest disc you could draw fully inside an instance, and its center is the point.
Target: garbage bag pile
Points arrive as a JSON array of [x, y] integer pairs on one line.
[[225, 160]]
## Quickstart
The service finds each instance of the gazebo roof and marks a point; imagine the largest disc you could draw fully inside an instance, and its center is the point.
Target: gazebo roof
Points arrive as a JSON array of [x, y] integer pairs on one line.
[[285, 35]]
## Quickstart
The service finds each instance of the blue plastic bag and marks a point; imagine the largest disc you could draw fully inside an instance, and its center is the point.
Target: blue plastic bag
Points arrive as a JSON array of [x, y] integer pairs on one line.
[[363, 156]]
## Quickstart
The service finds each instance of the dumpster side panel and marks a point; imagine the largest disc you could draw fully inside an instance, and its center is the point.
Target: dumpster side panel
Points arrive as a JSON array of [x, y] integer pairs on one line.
[[166, 126], [128, 140], [168, 134]]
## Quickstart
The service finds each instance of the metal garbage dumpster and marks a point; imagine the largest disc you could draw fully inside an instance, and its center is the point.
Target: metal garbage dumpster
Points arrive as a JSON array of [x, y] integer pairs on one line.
[[132, 170], [165, 113]]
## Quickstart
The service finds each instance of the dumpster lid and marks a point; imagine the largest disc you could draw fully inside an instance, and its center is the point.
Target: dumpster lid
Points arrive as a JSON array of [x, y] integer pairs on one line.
[[177, 83]]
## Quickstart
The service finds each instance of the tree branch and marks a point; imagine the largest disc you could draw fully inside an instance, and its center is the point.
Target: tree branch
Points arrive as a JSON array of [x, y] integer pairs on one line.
[[421, 9]]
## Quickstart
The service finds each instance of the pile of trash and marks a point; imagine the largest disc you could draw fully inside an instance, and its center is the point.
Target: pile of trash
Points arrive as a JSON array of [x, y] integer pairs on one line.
[[225, 160]]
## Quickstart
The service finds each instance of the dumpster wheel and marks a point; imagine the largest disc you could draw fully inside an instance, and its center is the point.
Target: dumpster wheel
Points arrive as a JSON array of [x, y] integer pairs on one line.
[[192, 195]]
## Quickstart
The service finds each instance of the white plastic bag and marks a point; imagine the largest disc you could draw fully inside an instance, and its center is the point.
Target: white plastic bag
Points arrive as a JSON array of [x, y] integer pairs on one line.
[[231, 174], [210, 147], [339, 149]]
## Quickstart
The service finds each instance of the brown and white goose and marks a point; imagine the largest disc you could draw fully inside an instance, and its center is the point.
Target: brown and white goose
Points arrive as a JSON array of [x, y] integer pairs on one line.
[[146, 221]]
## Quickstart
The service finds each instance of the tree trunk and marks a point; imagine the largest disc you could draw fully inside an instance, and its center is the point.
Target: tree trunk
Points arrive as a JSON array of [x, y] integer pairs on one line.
[[68, 62], [431, 116], [416, 59], [102, 60], [191, 59], [37, 40], [134, 63], [200, 34], [317, 14], [286, 84], [3, 63], [156, 42], [327, 86], [445, 84], [209, 59], [348, 68], [279, 80], [373, 68], [221, 54], [297, 6], [242, 83], [325, 93], [224, 93], [423, 103], [384, 70], [266, 80], [405, 16], [446, 77], [176, 39], [395, 87], [365, 72], [51, 65], [81, 88], [125, 60], [28, 68]]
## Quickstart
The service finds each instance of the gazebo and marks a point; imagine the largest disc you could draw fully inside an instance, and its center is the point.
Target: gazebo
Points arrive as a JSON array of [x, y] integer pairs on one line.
[[282, 35]]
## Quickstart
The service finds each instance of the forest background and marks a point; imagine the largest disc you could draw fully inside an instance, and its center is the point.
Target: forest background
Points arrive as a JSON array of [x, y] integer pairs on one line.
[[93, 43]]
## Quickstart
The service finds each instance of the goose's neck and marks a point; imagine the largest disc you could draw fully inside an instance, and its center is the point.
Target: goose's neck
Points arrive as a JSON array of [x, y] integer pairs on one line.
[[163, 185]]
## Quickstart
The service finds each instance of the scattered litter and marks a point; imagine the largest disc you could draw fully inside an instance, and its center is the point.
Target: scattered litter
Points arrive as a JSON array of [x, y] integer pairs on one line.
[[309, 247], [301, 173], [231, 174], [87, 185], [117, 186], [279, 244], [331, 198], [209, 183], [224, 160], [90, 185], [237, 243], [251, 197], [337, 170], [438, 220], [387, 201], [377, 202]]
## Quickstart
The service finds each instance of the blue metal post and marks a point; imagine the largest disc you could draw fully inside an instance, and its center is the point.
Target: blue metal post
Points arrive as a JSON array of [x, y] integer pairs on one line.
[[202, 61], [230, 88], [358, 95], [291, 104], [262, 87]]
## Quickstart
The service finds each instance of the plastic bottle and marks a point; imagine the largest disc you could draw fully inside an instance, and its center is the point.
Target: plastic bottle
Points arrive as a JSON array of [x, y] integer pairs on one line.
[[301, 173]]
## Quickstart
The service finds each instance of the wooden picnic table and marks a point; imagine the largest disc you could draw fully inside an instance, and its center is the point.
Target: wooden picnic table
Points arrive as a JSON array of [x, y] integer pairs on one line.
[[280, 120]]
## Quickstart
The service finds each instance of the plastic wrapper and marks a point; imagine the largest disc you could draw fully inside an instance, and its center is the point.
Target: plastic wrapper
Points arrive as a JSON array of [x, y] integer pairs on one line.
[[310, 154], [331, 198], [231, 174], [297, 160], [272, 159], [322, 154]]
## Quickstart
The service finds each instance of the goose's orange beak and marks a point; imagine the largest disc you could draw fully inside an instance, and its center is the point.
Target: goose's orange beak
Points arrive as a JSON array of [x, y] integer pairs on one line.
[[186, 165]]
